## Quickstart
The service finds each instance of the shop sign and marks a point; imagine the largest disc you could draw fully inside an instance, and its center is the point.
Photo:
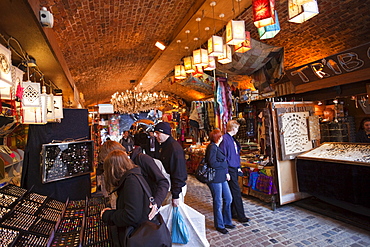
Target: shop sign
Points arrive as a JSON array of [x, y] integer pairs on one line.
[[348, 61]]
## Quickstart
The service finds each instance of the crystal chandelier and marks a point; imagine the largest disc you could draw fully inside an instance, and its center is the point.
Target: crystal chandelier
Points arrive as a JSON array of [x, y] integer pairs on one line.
[[137, 100]]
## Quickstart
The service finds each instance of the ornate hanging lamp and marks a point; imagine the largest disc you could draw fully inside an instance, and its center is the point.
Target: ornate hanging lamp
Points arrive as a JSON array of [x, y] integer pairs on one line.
[[270, 31], [235, 30], [215, 43], [200, 56], [180, 73], [211, 64], [263, 12], [227, 56], [5, 69], [188, 64], [188, 61], [245, 45], [302, 10], [33, 112]]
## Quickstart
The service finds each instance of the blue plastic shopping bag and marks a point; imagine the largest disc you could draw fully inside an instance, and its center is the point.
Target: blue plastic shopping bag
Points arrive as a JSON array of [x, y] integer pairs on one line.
[[180, 234]]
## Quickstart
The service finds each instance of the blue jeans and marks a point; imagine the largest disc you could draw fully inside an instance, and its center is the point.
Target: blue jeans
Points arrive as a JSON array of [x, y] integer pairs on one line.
[[221, 204]]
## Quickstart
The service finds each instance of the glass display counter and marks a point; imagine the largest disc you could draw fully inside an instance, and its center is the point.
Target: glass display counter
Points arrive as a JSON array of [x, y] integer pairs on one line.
[[337, 171]]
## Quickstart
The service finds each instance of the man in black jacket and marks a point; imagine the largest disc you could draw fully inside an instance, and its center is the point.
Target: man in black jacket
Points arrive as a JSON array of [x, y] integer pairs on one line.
[[173, 159], [156, 181]]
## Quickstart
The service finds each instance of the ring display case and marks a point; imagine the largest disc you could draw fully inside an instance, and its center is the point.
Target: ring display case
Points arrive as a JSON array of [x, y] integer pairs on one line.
[[67, 159]]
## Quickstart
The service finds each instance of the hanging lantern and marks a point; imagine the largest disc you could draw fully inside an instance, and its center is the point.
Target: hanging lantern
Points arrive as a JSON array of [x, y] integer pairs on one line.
[[269, 32], [47, 100], [198, 71], [5, 68], [200, 57], [215, 46], [235, 32], [188, 64], [180, 72], [227, 56], [245, 45], [263, 12], [302, 10], [32, 105], [211, 64], [17, 78], [58, 107]]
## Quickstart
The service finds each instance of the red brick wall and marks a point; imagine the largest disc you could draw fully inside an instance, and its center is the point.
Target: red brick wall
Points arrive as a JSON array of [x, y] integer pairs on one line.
[[340, 25]]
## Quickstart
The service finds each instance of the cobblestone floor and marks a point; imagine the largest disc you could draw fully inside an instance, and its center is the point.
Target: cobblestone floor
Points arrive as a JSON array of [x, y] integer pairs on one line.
[[288, 225]]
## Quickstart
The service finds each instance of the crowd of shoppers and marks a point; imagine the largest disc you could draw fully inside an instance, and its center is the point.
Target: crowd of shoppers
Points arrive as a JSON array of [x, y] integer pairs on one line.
[[134, 156]]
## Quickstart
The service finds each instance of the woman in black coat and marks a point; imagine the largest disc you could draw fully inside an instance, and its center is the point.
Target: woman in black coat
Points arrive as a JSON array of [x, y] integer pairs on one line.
[[132, 202], [219, 187]]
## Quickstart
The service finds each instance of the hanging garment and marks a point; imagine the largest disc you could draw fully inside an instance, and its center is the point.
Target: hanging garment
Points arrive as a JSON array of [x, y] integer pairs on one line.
[[199, 108]]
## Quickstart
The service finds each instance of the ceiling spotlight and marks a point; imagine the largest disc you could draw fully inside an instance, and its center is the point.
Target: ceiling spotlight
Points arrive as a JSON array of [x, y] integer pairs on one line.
[[160, 45]]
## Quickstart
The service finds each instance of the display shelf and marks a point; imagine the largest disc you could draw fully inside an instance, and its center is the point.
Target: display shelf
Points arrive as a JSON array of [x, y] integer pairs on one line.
[[257, 184], [335, 132], [11, 162], [31, 219]]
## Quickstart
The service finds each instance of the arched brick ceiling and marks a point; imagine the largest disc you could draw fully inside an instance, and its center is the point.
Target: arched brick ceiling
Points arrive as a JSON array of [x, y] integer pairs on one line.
[[108, 43]]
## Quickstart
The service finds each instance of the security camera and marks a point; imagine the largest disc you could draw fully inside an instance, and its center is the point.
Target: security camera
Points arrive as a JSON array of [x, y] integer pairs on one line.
[[46, 18]]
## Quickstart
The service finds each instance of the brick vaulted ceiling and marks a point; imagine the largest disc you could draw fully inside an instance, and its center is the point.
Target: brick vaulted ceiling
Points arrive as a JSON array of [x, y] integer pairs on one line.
[[108, 43], [99, 46]]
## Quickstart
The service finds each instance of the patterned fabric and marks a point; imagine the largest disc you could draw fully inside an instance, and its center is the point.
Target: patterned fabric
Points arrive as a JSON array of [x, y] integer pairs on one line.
[[264, 63], [265, 184]]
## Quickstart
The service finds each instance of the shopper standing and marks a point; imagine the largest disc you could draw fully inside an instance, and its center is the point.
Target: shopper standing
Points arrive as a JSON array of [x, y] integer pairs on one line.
[[173, 160], [219, 187], [231, 148], [363, 134], [156, 181], [127, 141], [152, 147], [104, 150], [132, 201]]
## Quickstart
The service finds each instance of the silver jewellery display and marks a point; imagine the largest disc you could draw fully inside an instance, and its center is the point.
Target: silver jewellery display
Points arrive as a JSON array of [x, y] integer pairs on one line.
[[66, 159], [352, 152]]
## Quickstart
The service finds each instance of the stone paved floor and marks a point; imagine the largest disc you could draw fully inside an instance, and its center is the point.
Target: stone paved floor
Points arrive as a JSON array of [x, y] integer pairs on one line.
[[288, 225]]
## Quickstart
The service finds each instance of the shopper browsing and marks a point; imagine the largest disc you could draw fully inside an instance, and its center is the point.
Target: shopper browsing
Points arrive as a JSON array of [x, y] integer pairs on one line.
[[132, 201], [231, 148], [104, 150], [219, 187], [127, 141], [173, 160]]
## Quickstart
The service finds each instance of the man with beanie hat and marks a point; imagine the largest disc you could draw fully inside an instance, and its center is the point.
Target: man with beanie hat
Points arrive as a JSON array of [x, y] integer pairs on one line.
[[173, 160]]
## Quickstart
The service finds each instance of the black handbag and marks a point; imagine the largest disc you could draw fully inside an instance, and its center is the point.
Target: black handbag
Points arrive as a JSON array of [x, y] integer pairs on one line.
[[151, 232], [204, 173]]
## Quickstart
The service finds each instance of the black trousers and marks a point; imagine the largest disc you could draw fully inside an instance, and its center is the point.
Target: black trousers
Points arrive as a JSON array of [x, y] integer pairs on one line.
[[237, 209]]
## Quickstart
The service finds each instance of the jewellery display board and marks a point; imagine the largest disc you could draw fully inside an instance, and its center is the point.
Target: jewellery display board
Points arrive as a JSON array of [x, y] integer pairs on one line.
[[67, 159], [32, 219], [342, 152]]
